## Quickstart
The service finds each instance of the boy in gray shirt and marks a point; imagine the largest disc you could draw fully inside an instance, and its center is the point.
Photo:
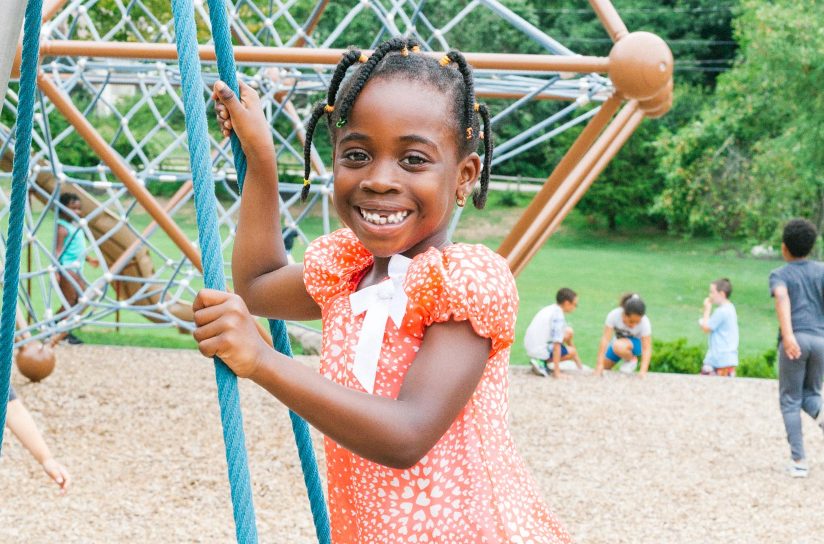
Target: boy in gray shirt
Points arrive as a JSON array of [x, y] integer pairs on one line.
[[798, 288]]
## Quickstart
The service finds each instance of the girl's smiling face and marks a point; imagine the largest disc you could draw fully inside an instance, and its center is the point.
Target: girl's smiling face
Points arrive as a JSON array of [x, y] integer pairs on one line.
[[397, 173]]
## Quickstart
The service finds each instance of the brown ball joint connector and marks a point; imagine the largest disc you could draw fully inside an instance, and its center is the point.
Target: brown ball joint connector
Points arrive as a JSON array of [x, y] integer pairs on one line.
[[35, 361], [640, 67], [659, 104]]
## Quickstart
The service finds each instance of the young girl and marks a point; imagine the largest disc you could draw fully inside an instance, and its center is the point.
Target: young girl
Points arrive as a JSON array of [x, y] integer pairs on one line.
[[633, 337], [412, 395], [70, 248]]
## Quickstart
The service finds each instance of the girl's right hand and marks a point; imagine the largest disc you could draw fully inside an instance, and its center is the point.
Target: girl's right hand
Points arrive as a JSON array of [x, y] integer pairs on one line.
[[226, 329], [244, 116]]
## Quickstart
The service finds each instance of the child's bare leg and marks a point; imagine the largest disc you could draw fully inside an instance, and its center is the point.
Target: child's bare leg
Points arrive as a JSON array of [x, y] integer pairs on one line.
[[573, 351], [623, 349]]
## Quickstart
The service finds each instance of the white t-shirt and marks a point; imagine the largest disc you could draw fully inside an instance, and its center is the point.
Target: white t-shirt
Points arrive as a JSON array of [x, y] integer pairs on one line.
[[615, 319], [546, 328]]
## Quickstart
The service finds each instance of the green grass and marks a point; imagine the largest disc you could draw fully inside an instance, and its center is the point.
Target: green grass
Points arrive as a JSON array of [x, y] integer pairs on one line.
[[671, 274]]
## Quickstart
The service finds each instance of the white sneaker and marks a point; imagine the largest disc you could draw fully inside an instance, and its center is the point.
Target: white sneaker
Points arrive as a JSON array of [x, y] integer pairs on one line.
[[538, 368], [628, 367], [798, 469]]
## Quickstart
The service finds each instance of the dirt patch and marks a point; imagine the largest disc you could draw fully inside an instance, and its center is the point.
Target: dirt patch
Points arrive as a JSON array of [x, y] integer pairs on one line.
[[667, 459]]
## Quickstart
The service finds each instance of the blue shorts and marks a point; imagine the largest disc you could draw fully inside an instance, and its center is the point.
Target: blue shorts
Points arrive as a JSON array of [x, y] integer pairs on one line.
[[551, 349], [636, 349]]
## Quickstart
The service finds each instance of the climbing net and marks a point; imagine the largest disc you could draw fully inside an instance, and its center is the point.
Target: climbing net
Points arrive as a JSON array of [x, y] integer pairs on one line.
[[109, 126]]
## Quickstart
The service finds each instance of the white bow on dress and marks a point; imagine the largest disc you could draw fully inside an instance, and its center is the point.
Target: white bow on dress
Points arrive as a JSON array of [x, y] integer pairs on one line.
[[380, 302]]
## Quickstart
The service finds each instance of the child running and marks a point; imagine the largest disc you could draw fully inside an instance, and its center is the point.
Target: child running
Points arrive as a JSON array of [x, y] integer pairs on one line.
[[632, 337], [412, 391], [549, 338], [798, 288], [722, 326]]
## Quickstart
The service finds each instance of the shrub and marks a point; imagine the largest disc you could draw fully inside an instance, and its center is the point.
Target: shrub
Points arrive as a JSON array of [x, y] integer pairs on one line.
[[676, 357], [758, 366]]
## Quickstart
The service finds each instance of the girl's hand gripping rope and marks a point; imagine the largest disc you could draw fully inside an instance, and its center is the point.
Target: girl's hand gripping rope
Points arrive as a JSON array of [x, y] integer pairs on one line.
[[245, 117]]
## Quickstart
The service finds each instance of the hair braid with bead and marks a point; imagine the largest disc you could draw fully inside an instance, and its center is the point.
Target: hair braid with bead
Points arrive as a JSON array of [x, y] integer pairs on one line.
[[392, 59]]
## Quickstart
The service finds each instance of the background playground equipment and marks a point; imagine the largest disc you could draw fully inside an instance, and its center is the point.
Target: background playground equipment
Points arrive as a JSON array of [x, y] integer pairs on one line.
[[109, 77]]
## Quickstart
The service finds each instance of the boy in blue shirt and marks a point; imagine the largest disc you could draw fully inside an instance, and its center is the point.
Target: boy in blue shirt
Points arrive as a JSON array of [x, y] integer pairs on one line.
[[722, 326], [798, 288]]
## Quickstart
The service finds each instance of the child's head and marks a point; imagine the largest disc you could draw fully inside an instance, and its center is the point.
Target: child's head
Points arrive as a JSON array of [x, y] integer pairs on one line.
[[69, 201], [720, 291], [567, 299], [404, 130], [798, 239], [634, 309]]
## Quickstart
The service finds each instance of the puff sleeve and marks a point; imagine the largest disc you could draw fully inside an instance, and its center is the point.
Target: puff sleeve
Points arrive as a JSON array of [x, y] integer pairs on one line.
[[332, 265], [463, 282]]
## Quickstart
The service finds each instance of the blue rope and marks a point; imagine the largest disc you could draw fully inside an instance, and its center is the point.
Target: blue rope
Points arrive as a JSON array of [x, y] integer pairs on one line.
[[280, 339], [209, 238], [17, 207]]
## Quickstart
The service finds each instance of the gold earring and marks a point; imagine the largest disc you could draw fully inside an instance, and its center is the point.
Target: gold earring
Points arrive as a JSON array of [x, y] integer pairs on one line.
[[461, 200]]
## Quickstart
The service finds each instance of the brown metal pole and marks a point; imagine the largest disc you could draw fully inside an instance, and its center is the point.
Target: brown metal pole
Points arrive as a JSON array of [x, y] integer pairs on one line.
[[533, 233], [300, 55], [620, 139], [570, 158], [118, 167], [313, 23], [609, 17]]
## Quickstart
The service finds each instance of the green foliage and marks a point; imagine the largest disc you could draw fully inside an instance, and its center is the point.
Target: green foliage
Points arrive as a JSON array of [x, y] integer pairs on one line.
[[676, 357], [753, 157], [758, 366]]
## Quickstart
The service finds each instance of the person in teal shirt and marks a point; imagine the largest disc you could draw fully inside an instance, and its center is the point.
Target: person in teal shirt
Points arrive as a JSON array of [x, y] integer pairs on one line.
[[70, 248]]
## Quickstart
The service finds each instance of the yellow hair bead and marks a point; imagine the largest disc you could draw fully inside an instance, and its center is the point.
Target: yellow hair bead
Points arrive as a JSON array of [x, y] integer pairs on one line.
[[444, 60], [469, 133], [306, 182], [328, 108], [363, 58], [476, 107], [416, 48], [404, 52]]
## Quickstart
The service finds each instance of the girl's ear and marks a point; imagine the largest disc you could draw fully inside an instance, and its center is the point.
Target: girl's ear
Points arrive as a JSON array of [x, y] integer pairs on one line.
[[468, 171]]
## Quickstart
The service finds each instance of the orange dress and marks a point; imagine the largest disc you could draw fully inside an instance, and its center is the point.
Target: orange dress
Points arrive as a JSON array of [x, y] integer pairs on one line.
[[472, 487]]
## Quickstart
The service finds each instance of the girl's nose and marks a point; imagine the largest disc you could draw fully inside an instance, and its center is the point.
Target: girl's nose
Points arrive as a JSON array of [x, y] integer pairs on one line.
[[380, 179]]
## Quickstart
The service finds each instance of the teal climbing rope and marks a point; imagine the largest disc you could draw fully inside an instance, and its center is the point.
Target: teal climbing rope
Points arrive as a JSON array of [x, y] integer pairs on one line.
[[280, 339], [209, 238], [243, 508], [17, 207]]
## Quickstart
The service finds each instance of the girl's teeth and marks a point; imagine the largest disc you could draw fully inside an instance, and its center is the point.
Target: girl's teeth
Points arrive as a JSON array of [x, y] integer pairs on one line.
[[379, 219]]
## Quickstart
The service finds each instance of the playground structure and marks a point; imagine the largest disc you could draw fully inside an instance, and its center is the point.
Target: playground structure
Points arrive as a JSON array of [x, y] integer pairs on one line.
[[119, 71]]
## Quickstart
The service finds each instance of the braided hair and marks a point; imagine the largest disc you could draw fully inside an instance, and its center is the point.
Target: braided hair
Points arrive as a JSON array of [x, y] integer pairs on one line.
[[395, 58]]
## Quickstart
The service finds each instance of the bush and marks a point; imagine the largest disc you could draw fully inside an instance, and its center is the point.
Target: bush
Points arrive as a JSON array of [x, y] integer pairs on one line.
[[758, 366], [676, 357]]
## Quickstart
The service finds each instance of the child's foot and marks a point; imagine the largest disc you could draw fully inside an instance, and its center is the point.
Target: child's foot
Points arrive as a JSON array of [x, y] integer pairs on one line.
[[72, 339], [629, 367], [538, 368], [798, 469]]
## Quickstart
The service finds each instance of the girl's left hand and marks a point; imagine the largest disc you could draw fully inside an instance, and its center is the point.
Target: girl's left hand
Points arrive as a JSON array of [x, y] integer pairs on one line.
[[226, 329], [58, 473]]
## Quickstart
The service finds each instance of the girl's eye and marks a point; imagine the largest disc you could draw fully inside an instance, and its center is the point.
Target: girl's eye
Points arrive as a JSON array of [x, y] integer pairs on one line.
[[414, 160], [356, 156]]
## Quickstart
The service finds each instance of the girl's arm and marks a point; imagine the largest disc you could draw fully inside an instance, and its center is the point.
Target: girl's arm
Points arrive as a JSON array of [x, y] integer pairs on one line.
[[783, 311], [21, 424], [602, 350], [260, 270], [62, 232], [646, 354], [392, 432]]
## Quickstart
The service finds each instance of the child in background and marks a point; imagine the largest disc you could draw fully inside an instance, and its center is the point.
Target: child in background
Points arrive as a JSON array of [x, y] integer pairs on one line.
[[632, 337], [70, 248], [722, 326], [549, 338], [798, 288], [412, 396], [22, 425]]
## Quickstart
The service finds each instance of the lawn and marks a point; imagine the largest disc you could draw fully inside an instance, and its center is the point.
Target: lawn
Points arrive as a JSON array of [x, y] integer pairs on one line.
[[671, 274]]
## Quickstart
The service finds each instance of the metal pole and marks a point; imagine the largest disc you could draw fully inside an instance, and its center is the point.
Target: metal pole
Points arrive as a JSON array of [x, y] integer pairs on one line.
[[609, 18], [301, 55]]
